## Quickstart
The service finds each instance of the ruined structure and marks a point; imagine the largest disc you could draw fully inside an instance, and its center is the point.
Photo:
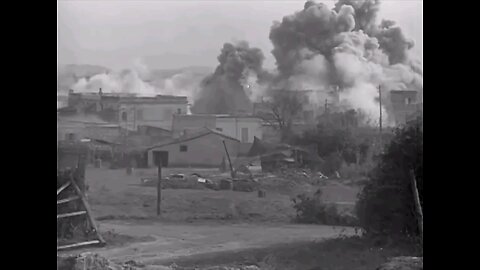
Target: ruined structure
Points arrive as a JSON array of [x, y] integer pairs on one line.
[[405, 104]]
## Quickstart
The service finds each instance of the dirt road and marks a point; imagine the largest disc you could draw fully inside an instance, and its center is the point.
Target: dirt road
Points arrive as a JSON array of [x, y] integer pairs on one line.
[[175, 241]]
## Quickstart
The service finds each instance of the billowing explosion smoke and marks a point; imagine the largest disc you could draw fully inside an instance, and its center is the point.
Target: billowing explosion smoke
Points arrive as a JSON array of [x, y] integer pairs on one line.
[[126, 81], [234, 82], [320, 48]]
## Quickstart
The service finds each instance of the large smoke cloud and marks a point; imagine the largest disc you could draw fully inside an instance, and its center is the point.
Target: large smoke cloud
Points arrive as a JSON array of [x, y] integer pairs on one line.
[[317, 48], [230, 88], [344, 47]]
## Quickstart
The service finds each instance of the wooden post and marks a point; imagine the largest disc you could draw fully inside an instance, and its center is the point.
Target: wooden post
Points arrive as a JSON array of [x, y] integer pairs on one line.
[[418, 206], [232, 173], [159, 187]]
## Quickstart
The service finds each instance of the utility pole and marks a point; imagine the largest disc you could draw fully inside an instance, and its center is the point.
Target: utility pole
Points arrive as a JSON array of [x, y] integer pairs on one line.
[[326, 105], [380, 103], [159, 186]]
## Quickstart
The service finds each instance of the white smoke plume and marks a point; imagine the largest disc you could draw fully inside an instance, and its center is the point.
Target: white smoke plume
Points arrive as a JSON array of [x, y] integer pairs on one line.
[[142, 81]]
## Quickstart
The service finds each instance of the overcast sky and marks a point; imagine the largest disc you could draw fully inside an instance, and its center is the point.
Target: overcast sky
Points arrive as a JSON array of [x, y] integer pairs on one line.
[[168, 34]]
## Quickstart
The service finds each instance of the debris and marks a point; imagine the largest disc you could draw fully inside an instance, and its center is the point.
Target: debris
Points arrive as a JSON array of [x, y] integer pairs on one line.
[[321, 175], [178, 176], [403, 263], [226, 184]]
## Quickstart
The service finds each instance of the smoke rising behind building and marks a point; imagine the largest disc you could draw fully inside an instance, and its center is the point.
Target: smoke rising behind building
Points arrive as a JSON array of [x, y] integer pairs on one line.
[[317, 47]]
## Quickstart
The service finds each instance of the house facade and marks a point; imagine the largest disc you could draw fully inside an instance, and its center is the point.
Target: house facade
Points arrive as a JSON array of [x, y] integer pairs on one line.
[[151, 111], [201, 149], [187, 123], [243, 128], [75, 128]]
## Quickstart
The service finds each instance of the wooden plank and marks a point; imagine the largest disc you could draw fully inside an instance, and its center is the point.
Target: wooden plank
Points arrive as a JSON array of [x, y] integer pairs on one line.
[[159, 187], [82, 244], [71, 214], [64, 186], [73, 198], [87, 208], [418, 206], [232, 172]]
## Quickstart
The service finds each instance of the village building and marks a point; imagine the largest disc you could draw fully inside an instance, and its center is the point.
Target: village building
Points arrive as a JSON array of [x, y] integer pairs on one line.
[[244, 128], [78, 127], [204, 148], [183, 124], [155, 111], [129, 110], [405, 104]]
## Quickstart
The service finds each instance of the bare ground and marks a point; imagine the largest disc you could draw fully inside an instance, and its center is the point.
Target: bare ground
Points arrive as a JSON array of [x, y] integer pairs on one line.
[[205, 226], [113, 195], [176, 241]]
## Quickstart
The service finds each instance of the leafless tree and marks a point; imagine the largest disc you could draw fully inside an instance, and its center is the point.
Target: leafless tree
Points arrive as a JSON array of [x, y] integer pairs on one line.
[[282, 109]]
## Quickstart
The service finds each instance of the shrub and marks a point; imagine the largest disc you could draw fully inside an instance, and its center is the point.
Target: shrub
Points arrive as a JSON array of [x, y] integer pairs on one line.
[[332, 164], [311, 209], [386, 204]]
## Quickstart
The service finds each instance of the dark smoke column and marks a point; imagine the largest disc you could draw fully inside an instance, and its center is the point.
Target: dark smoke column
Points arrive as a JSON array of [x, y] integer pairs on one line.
[[222, 92]]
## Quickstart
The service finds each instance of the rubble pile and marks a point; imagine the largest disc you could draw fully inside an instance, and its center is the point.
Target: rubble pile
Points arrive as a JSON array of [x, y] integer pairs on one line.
[[92, 261], [291, 181], [249, 267], [403, 263]]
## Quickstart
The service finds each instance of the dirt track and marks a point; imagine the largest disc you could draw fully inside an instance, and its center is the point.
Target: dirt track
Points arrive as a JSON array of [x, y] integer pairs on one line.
[[175, 241]]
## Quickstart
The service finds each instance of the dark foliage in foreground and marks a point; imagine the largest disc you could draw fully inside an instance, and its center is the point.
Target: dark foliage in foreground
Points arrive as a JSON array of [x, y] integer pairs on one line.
[[386, 204]]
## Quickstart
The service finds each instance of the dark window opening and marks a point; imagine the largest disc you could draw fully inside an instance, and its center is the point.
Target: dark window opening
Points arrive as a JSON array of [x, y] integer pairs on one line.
[[179, 111], [124, 116], [183, 148]]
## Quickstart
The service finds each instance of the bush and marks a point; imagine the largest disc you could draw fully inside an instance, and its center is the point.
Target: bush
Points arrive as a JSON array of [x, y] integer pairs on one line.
[[386, 205], [332, 164], [312, 210]]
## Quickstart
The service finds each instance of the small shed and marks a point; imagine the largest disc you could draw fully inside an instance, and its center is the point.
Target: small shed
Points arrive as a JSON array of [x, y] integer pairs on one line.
[[203, 148]]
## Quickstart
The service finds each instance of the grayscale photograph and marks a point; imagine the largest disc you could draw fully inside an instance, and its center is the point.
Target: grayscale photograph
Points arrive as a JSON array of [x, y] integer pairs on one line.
[[240, 135]]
